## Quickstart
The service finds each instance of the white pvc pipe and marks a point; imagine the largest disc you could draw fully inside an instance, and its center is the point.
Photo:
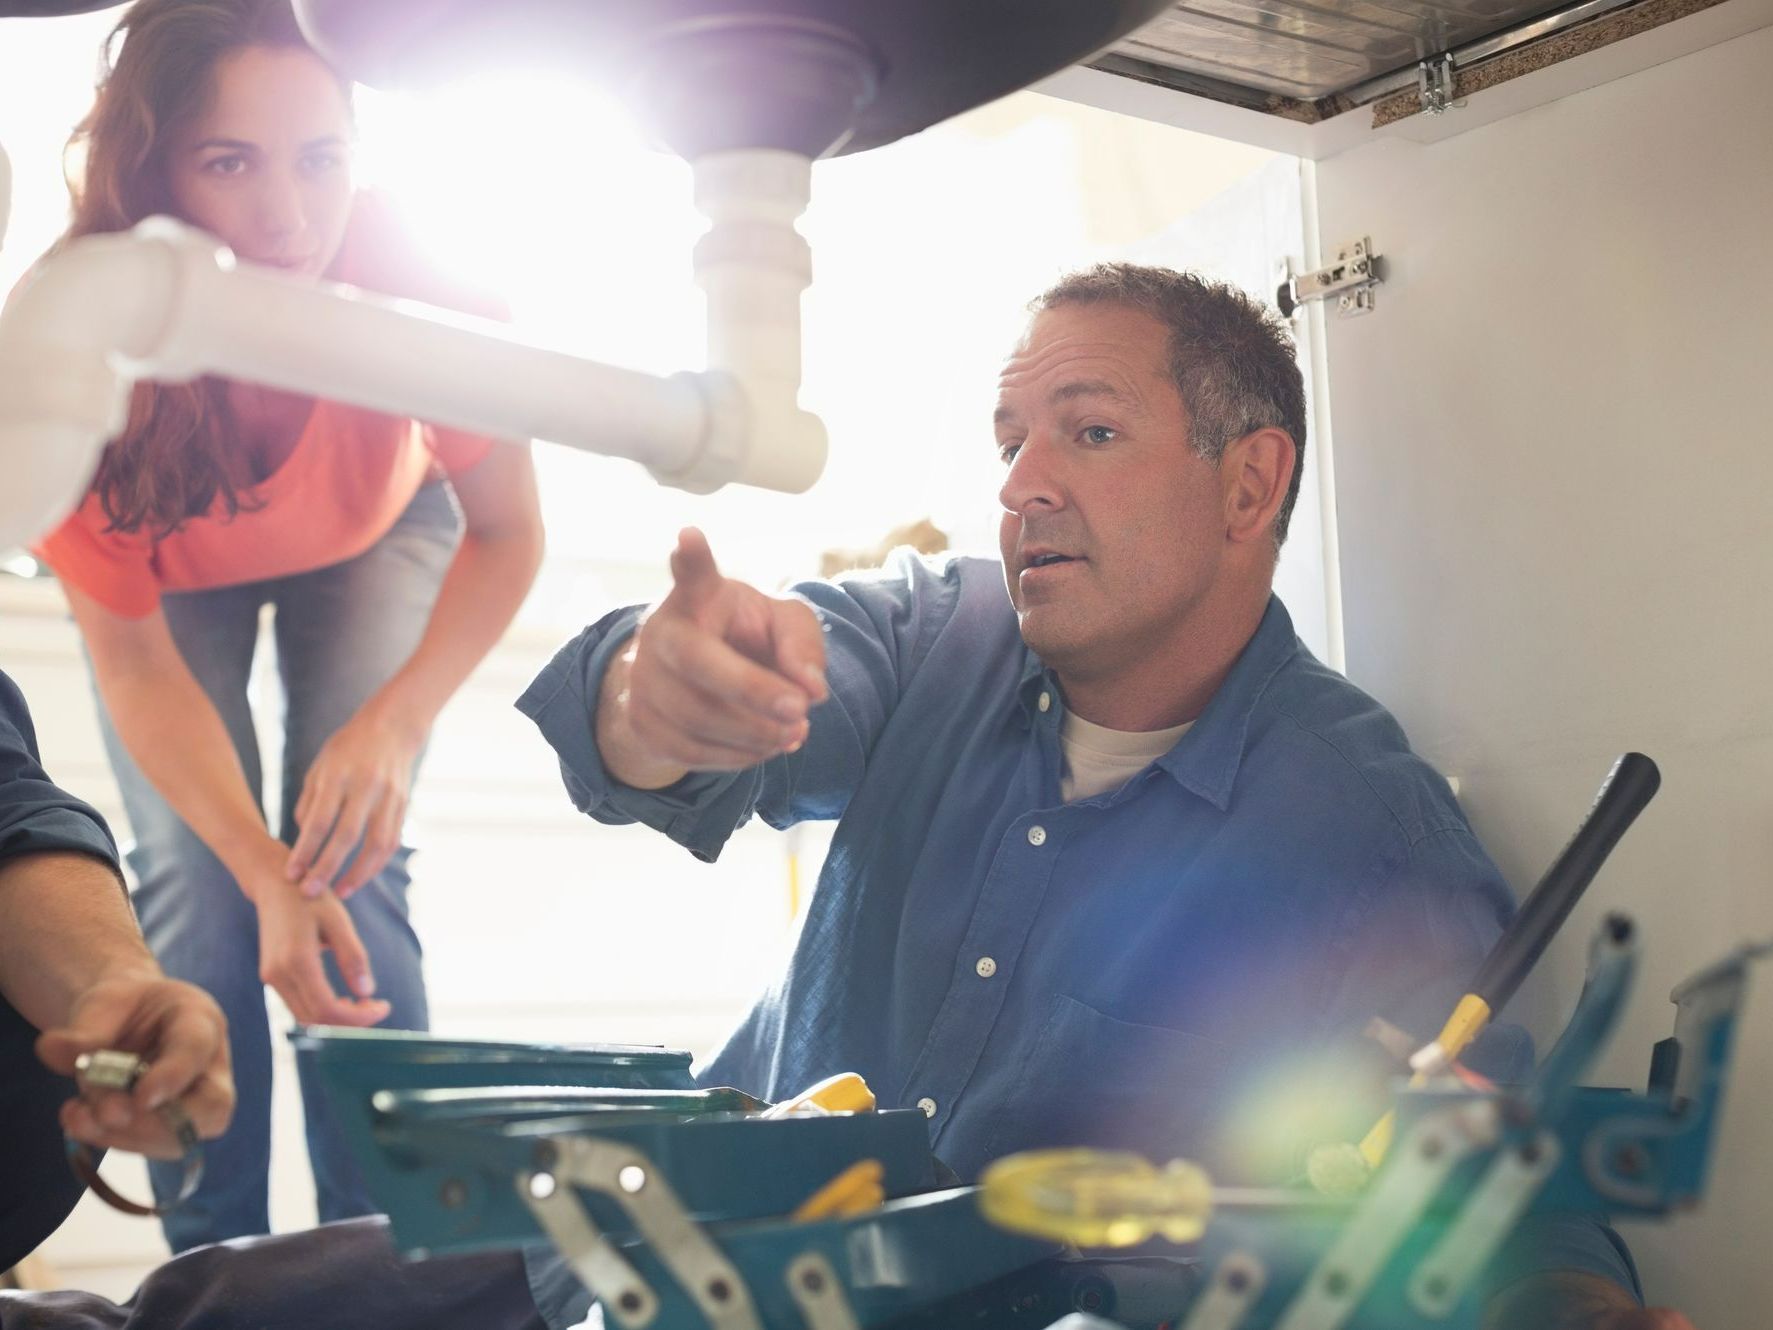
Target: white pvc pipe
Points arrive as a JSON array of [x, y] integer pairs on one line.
[[752, 265], [62, 338], [165, 302], [257, 325]]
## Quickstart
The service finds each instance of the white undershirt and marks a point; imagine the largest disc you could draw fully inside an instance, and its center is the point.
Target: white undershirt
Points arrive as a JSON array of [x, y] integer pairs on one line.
[[1098, 759]]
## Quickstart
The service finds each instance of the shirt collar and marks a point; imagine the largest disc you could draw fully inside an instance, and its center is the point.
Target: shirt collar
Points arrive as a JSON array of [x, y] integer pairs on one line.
[[1206, 760]]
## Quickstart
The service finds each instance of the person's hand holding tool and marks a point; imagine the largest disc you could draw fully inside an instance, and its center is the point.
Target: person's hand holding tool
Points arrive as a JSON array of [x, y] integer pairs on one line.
[[178, 1031], [719, 677]]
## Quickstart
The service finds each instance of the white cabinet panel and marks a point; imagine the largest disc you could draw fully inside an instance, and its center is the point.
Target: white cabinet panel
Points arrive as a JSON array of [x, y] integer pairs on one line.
[[1553, 478]]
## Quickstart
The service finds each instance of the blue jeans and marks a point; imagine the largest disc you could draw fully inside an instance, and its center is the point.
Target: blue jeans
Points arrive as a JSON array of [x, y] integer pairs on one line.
[[340, 633]]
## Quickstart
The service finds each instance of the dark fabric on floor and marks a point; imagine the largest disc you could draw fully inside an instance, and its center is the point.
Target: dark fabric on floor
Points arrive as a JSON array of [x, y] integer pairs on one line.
[[344, 1276]]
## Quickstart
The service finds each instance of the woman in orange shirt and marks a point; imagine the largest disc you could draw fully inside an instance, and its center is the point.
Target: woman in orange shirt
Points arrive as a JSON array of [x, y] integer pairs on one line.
[[220, 499]]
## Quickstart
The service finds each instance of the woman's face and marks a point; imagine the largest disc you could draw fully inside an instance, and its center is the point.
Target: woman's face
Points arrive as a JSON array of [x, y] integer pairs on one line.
[[266, 166]]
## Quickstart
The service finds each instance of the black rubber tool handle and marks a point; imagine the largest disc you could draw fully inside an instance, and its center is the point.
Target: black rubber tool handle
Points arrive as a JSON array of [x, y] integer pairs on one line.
[[1629, 786]]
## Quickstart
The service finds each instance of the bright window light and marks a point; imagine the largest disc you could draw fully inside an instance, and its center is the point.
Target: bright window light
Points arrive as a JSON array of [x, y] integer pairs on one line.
[[542, 191], [924, 254]]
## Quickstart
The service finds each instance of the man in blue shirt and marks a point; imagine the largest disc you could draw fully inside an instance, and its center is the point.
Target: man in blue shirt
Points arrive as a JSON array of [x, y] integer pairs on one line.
[[1116, 859]]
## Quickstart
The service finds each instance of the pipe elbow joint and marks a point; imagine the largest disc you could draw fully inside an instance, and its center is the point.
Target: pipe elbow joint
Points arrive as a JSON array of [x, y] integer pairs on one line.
[[754, 434], [88, 322]]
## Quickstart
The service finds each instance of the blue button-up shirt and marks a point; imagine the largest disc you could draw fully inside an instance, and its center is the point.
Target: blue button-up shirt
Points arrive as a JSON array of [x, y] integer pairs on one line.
[[1162, 968]]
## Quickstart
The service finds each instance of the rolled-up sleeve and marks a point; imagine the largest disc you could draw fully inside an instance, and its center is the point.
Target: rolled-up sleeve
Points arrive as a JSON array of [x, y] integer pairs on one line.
[[700, 812], [36, 815]]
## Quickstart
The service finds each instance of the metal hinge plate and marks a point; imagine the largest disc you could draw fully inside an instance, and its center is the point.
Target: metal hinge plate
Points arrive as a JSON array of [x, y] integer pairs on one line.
[[1351, 279], [1435, 85]]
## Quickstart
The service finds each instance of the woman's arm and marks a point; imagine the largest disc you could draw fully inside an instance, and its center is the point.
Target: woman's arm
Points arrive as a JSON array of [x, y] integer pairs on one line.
[[176, 737], [358, 785]]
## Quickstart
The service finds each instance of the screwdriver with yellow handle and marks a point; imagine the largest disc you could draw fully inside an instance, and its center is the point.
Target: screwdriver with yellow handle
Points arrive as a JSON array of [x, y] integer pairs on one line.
[[1113, 1198], [1096, 1198], [1628, 788]]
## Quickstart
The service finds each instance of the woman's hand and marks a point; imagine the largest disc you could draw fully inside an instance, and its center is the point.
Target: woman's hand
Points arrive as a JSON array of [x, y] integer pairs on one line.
[[293, 931], [356, 791], [357, 788], [178, 1030]]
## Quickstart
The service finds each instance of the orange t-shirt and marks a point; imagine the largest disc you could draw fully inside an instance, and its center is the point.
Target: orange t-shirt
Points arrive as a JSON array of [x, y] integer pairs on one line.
[[350, 476]]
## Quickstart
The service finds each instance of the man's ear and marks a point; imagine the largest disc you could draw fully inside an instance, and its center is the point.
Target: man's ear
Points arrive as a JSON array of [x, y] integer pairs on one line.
[[1257, 470]]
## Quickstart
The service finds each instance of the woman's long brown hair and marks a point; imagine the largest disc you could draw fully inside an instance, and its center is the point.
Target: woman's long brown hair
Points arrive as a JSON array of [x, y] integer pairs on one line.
[[169, 464]]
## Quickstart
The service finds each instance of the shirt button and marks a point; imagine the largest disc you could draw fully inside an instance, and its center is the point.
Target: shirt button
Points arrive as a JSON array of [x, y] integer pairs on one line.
[[1046, 702], [928, 1106], [986, 967], [1037, 835]]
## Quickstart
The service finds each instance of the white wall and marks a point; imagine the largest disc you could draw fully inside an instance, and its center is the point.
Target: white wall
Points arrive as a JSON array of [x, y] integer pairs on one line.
[[1554, 476]]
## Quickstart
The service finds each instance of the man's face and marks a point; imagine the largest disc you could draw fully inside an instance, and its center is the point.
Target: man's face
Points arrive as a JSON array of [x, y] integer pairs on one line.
[[1113, 527]]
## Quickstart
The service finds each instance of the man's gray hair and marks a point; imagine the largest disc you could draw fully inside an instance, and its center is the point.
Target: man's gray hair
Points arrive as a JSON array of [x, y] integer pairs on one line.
[[1232, 359]]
